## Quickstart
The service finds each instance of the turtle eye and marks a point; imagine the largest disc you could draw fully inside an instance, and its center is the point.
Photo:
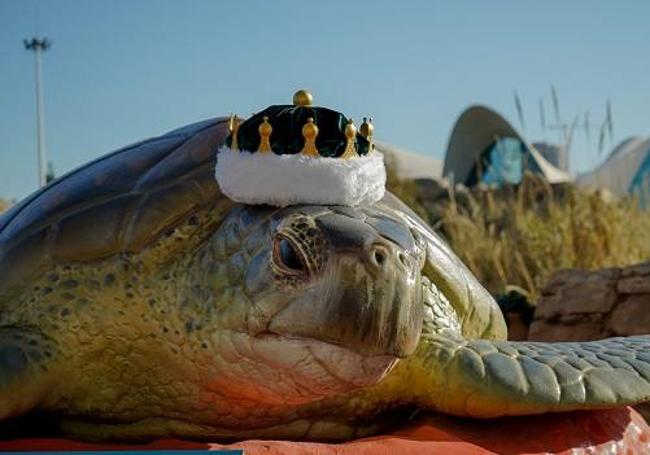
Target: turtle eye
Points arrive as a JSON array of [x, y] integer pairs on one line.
[[287, 257]]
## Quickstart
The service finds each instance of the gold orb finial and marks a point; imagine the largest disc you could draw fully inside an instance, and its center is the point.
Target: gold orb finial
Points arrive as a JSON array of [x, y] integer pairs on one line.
[[233, 127], [265, 129], [350, 144], [309, 132], [303, 98]]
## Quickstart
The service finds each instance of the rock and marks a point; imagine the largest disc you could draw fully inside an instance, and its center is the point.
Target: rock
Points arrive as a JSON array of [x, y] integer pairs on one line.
[[554, 331], [631, 316], [517, 327], [634, 285], [642, 269], [432, 190], [581, 305], [517, 311], [578, 291]]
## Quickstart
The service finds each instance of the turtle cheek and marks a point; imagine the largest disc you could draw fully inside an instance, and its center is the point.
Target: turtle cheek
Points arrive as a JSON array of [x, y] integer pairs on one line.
[[258, 278], [265, 292], [408, 303]]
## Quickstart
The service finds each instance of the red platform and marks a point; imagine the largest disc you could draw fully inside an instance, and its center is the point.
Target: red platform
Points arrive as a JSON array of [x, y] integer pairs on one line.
[[616, 431]]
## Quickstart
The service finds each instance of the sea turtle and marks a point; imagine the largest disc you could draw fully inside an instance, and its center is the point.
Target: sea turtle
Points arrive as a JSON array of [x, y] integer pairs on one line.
[[136, 302]]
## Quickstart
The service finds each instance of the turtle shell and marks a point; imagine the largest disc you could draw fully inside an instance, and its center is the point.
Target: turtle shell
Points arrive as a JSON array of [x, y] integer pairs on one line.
[[118, 203]]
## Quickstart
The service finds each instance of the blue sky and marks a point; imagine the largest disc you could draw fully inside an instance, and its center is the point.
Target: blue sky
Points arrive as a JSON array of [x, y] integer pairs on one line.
[[120, 71]]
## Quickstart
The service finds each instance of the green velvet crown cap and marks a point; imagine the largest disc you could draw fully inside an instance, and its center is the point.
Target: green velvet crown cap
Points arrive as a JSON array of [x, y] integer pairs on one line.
[[287, 138], [300, 154]]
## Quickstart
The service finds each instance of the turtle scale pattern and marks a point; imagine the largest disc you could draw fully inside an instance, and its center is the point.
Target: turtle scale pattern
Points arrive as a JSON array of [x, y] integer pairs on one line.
[[116, 204]]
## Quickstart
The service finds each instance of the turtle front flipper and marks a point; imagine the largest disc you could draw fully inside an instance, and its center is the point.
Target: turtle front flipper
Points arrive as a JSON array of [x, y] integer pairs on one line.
[[481, 378], [24, 373]]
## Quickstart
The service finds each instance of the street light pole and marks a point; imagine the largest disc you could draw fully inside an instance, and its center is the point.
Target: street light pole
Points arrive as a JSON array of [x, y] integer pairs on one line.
[[39, 46]]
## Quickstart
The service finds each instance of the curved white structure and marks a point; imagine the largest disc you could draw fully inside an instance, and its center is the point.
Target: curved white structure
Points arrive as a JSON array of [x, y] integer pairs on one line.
[[476, 132], [411, 165], [623, 170]]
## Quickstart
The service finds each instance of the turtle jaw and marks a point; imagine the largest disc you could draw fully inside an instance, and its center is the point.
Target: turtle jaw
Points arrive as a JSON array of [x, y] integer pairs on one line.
[[281, 371]]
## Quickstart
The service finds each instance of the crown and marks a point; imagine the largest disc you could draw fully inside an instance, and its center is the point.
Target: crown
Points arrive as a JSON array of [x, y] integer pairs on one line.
[[298, 154], [300, 128]]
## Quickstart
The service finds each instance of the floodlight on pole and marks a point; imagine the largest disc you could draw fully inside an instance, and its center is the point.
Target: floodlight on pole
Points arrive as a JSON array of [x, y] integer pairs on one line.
[[38, 46]]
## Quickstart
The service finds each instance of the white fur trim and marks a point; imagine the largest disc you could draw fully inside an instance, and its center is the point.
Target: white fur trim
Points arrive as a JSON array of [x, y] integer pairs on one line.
[[281, 180]]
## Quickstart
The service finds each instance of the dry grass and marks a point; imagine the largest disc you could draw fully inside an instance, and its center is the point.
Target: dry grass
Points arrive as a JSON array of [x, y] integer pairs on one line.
[[520, 236]]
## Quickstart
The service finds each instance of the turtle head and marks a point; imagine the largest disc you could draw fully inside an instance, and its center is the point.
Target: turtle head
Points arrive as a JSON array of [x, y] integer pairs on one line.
[[350, 280], [324, 298]]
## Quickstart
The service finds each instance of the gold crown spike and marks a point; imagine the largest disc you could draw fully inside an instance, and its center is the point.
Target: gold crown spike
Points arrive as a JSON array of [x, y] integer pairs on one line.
[[303, 98], [233, 127], [366, 128], [309, 132], [350, 143], [265, 129]]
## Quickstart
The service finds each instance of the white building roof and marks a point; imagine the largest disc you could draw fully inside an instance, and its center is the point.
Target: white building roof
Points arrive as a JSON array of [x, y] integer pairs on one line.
[[412, 165], [620, 167], [477, 128]]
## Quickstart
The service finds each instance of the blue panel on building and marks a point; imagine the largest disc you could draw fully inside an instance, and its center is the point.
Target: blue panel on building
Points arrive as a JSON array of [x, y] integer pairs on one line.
[[640, 186]]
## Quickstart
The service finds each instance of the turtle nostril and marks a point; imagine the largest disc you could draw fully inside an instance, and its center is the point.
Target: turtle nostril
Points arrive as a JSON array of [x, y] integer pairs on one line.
[[379, 257], [402, 258]]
